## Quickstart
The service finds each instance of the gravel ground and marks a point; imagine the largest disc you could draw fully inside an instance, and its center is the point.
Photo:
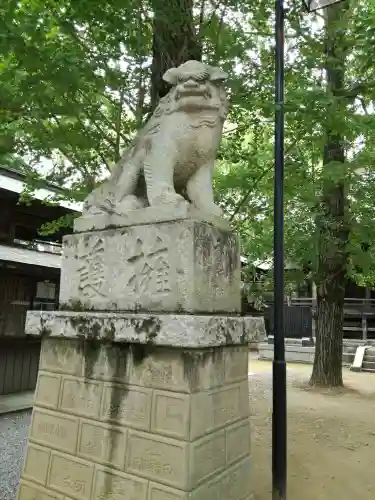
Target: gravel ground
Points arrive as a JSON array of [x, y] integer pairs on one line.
[[14, 429]]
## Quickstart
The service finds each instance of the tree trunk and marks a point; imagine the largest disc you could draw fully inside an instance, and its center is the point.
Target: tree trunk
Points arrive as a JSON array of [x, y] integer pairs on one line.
[[174, 42], [332, 226]]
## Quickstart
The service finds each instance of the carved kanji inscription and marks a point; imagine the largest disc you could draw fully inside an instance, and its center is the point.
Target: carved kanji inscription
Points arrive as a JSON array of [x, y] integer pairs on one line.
[[151, 270], [91, 268]]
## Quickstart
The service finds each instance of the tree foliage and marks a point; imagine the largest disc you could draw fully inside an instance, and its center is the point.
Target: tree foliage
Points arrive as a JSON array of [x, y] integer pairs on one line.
[[244, 181]]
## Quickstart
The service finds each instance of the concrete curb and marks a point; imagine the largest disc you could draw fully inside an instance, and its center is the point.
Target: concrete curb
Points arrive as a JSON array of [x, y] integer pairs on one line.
[[17, 409]]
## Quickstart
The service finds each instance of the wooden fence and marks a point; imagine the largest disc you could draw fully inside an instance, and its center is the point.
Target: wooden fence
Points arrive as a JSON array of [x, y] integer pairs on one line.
[[19, 362], [297, 321]]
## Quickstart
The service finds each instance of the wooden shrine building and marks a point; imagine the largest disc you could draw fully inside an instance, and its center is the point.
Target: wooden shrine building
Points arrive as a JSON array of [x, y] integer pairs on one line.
[[29, 276]]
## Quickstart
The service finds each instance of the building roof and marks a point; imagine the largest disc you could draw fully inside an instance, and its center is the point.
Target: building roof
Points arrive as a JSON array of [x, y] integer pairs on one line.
[[31, 257], [14, 181], [266, 265]]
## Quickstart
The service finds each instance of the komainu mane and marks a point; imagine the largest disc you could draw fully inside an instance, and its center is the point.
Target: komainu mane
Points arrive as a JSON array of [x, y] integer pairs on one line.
[[172, 158]]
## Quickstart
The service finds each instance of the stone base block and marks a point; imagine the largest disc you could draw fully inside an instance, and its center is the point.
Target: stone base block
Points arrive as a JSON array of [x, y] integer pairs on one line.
[[116, 421], [180, 266], [304, 341], [294, 353]]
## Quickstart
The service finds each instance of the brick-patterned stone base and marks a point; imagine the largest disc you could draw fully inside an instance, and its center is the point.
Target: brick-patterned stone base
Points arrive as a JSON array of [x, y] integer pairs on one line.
[[132, 422]]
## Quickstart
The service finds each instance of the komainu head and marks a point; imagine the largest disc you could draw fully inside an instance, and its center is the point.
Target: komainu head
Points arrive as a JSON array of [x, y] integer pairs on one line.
[[195, 87]]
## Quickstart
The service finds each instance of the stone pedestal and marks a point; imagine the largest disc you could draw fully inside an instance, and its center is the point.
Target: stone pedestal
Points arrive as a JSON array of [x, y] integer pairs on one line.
[[140, 405], [181, 266]]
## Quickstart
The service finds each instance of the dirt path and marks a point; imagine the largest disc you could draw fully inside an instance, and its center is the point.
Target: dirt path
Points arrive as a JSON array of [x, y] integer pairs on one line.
[[331, 436]]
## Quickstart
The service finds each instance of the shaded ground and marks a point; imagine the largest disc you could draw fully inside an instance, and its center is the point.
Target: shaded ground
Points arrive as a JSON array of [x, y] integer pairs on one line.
[[331, 436]]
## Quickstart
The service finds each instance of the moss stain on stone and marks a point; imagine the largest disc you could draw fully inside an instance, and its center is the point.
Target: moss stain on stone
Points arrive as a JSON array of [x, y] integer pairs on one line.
[[110, 332], [45, 331], [140, 352], [88, 332], [217, 250], [179, 308], [119, 356], [195, 360], [228, 338], [224, 330], [75, 306], [150, 327]]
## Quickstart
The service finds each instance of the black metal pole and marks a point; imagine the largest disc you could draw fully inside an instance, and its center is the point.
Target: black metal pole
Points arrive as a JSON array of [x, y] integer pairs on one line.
[[279, 366]]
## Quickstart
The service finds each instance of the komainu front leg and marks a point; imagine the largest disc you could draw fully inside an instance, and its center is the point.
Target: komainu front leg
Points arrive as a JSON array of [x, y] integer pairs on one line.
[[159, 172], [200, 191]]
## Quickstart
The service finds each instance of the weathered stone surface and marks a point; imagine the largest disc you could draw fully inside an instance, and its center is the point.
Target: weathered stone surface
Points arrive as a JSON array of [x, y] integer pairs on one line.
[[149, 366], [177, 330], [158, 458], [172, 424], [81, 397], [36, 463], [129, 406], [174, 154], [180, 371], [102, 443], [207, 457], [238, 443], [62, 356], [113, 485], [48, 389], [54, 430], [70, 476], [149, 215], [159, 491], [255, 328], [171, 414], [232, 484], [167, 267], [218, 408], [30, 491]]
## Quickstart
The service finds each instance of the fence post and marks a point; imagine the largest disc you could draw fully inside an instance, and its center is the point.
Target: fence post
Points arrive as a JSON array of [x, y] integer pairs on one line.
[[364, 327]]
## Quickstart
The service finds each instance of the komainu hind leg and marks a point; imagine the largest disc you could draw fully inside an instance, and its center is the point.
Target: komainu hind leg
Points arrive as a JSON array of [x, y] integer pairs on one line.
[[120, 192], [130, 202], [99, 201], [136, 199]]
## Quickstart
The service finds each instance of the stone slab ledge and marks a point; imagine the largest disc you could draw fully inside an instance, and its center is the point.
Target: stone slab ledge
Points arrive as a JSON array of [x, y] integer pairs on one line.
[[149, 215], [177, 330]]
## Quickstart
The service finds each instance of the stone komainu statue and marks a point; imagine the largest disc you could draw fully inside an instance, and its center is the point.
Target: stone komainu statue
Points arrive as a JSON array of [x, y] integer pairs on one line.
[[172, 158]]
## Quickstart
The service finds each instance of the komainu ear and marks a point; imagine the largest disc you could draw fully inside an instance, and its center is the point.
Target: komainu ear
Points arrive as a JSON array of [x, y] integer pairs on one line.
[[171, 76], [217, 75]]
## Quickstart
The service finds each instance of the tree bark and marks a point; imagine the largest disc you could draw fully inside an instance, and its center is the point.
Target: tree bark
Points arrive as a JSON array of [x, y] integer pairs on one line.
[[332, 226], [174, 42]]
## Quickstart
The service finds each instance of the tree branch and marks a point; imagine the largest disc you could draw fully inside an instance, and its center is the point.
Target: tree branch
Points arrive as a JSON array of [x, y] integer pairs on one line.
[[57, 121], [118, 127], [256, 182]]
